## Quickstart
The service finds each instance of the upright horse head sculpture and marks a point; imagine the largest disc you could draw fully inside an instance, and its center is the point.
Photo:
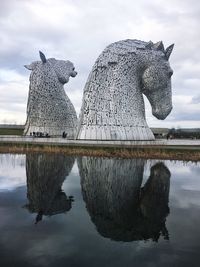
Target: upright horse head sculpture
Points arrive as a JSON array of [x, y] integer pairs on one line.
[[113, 104], [49, 109]]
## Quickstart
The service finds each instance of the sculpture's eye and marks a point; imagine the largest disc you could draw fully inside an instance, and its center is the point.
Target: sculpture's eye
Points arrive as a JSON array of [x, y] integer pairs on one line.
[[73, 68]]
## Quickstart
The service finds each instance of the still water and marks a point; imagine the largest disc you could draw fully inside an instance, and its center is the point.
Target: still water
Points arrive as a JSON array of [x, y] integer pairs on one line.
[[60, 211]]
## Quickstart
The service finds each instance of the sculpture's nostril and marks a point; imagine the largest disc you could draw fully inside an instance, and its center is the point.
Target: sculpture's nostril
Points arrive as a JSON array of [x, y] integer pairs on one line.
[[74, 73]]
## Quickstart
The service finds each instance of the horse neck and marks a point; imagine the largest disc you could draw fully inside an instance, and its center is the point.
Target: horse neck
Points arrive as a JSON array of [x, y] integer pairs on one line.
[[131, 86], [45, 78], [44, 85]]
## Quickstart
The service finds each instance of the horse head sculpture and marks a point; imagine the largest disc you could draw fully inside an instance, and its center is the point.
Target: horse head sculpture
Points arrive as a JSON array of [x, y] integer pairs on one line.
[[156, 80], [49, 109], [113, 104]]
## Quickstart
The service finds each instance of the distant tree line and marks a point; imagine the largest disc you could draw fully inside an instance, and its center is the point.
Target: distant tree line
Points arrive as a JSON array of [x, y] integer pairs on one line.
[[184, 133]]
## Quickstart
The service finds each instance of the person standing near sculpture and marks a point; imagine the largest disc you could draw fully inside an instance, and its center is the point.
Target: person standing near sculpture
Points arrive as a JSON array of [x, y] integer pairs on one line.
[[49, 109]]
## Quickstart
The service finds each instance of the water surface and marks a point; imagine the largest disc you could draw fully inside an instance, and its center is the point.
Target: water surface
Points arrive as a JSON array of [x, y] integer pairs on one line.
[[57, 210]]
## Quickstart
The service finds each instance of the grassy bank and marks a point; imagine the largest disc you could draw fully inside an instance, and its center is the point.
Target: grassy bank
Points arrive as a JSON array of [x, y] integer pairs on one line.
[[11, 131], [147, 152]]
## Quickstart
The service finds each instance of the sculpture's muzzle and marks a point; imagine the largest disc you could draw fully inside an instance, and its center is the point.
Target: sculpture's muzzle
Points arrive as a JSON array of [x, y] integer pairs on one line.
[[161, 113], [161, 102]]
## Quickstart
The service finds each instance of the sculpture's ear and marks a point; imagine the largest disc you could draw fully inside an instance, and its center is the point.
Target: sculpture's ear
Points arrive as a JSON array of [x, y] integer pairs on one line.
[[29, 67], [159, 46], [32, 65], [168, 51], [42, 57]]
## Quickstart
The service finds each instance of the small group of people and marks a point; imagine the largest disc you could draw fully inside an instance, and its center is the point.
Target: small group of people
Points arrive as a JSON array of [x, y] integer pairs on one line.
[[39, 134], [45, 134], [169, 136]]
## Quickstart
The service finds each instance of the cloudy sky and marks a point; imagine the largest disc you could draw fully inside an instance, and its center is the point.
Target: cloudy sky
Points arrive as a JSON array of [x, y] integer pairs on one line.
[[78, 30]]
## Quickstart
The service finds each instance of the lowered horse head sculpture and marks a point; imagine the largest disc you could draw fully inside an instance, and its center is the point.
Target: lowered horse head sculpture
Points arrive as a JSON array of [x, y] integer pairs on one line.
[[156, 80], [113, 104], [49, 109]]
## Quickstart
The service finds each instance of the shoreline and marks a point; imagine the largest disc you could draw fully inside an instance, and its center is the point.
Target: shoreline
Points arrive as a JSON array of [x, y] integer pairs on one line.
[[185, 150]]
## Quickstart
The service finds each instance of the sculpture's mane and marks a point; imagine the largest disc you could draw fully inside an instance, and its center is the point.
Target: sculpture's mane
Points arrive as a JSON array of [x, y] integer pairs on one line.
[[112, 53], [42, 70]]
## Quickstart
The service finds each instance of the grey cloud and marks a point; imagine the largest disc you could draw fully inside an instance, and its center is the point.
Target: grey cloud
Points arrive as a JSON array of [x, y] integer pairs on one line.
[[14, 107], [7, 6], [196, 100], [186, 116]]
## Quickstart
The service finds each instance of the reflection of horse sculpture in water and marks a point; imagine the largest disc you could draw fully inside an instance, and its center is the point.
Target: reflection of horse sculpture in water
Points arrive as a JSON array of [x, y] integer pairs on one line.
[[113, 105], [154, 200], [49, 109], [45, 176], [118, 206]]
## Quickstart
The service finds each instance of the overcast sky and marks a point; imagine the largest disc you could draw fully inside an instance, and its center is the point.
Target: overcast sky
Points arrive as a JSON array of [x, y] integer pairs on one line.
[[78, 30]]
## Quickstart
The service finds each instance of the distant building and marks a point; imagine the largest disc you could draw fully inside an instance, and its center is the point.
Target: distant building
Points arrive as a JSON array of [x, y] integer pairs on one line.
[[160, 132]]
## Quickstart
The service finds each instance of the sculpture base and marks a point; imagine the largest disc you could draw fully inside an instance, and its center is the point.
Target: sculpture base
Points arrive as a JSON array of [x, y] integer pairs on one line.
[[115, 133]]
